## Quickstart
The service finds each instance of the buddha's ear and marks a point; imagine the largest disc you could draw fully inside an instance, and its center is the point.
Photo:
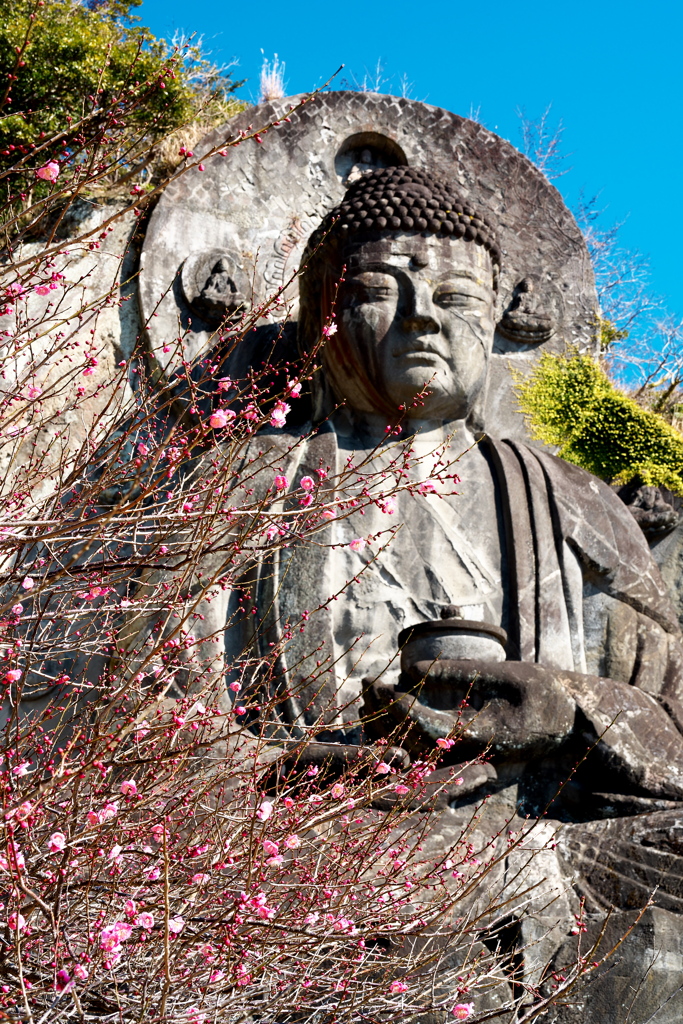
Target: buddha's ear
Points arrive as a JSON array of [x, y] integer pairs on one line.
[[475, 418], [323, 401]]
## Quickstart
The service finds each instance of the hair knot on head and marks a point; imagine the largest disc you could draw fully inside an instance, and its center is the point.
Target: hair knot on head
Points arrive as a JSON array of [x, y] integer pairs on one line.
[[405, 199]]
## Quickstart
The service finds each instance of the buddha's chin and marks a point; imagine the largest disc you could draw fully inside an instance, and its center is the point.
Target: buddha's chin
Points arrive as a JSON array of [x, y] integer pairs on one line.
[[435, 399]]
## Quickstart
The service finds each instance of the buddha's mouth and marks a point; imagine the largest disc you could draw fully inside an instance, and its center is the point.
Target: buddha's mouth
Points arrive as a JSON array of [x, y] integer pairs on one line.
[[420, 355]]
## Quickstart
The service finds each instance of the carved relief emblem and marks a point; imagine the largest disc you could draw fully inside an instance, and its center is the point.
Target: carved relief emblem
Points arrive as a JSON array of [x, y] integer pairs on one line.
[[215, 285], [534, 311]]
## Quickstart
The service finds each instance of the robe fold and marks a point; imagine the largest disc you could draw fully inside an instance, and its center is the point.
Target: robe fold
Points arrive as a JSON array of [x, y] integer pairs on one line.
[[566, 535]]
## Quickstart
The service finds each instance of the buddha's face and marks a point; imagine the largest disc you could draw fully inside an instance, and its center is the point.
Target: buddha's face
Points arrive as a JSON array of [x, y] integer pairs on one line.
[[413, 312]]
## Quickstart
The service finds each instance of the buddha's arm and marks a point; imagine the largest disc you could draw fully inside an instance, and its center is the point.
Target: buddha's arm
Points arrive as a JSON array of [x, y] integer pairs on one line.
[[523, 711]]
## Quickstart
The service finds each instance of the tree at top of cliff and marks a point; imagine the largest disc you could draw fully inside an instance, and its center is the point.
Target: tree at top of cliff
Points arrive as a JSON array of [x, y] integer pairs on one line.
[[62, 61]]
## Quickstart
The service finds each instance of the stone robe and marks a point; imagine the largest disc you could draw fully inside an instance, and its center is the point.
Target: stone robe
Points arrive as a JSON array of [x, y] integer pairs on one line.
[[575, 584]]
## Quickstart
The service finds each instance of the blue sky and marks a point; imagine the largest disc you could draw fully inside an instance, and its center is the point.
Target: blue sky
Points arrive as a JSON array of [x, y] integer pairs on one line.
[[612, 72]]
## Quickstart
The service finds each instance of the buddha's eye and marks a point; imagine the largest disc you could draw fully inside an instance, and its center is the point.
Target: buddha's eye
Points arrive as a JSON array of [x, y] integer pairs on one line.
[[375, 293], [371, 288], [457, 299]]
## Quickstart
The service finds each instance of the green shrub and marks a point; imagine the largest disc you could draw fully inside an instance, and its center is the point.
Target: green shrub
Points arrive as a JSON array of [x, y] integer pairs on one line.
[[571, 403], [64, 59]]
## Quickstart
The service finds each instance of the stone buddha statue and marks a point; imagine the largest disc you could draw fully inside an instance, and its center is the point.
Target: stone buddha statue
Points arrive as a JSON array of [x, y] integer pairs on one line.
[[583, 718], [531, 544]]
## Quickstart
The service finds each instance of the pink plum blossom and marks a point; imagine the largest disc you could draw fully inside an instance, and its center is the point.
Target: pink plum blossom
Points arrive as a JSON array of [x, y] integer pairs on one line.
[[292, 842], [94, 592], [270, 848], [16, 857], [113, 935], [63, 980], [382, 768], [461, 1011], [221, 418], [57, 842], [278, 416], [401, 790], [307, 482], [398, 986], [264, 811], [357, 544], [329, 330], [427, 487], [281, 482], [23, 811], [145, 920], [27, 583], [176, 925], [129, 788], [49, 171]]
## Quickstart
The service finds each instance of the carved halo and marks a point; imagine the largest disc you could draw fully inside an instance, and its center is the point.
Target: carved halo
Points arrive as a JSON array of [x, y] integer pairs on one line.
[[257, 207]]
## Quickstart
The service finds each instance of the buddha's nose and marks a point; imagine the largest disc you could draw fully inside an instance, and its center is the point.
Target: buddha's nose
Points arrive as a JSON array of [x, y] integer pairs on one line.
[[420, 315]]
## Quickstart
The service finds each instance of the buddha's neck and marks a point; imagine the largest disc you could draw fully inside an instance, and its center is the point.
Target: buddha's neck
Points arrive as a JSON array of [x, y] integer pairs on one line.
[[370, 428]]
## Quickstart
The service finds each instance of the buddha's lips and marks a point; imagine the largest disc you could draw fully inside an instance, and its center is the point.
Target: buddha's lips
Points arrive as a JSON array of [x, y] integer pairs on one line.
[[419, 350]]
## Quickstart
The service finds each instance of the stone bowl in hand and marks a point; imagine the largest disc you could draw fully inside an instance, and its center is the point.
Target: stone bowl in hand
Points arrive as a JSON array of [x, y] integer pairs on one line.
[[453, 639]]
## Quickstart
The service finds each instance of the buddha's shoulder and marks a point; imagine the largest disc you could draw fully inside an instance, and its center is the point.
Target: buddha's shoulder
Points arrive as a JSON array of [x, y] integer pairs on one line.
[[565, 478]]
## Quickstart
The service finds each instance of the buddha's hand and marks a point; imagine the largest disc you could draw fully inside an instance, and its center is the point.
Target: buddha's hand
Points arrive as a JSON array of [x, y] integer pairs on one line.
[[515, 709]]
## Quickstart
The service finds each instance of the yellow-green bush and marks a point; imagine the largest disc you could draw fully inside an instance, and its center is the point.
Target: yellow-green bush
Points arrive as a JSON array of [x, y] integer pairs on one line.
[[570, 402]]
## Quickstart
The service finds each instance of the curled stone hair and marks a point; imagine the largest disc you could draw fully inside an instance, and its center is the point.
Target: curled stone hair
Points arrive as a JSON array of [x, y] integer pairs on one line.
[[405, 199], [388, 200]]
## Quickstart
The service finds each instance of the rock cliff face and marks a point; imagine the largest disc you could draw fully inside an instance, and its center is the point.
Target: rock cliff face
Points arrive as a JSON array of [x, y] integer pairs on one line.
[[667, 551], [90, 276]]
